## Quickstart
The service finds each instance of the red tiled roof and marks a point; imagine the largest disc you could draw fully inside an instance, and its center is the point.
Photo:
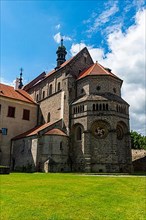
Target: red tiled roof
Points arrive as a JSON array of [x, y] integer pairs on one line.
[[33, 131], [95, 69], [55, 131], [19, 94]]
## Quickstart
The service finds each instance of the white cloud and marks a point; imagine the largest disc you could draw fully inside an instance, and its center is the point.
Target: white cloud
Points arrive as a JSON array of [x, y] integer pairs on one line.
[[103, 18], [127, 60], [57, 37], [58, 26], [6, 82]]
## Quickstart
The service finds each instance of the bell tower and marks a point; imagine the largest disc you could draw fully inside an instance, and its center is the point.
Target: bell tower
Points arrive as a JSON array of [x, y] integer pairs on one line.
[[61, 53]]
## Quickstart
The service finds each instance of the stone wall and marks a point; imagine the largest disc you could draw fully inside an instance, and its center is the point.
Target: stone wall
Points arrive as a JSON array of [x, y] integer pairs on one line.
[[139, 160]]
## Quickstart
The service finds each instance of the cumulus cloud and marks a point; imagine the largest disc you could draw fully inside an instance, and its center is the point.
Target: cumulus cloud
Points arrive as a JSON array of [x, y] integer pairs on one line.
[[127, 60], [57, 37]]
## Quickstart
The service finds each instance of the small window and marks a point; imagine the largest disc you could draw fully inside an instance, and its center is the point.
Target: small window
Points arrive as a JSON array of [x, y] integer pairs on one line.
[[37, 97], [107, 107], [93, 107], [79, 134], [100, 107], [26, 114], [50, 90], [82, 91], [103, 107], [43, 94], [11, 112], [49, 117], [4, 131], [98, 88], [114, 89], [61, 145], [59, 86]]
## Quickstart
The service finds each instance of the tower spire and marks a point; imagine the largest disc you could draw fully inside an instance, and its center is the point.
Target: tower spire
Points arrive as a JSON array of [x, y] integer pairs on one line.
[[20, 79], [61, 53]]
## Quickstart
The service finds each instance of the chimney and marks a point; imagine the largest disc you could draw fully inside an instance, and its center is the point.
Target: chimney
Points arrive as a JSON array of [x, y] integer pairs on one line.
[[16, 83]]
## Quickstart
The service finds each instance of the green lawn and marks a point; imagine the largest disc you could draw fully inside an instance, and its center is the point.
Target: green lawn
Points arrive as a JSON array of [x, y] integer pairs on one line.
[[42, 196]]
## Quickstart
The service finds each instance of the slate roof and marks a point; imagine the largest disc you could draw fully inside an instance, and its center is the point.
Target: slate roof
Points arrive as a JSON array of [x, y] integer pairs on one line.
[[19, 94], [100, 97], [96, 69]]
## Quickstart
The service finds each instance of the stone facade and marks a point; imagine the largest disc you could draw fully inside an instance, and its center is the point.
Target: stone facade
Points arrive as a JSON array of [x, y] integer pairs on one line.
[[86, 121]]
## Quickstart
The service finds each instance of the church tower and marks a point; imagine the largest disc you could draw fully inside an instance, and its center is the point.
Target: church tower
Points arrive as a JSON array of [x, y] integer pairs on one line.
[[20, 80], [61, 53]]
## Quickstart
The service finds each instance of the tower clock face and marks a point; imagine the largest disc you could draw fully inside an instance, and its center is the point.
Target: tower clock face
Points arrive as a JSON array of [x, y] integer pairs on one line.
[[99, 129]]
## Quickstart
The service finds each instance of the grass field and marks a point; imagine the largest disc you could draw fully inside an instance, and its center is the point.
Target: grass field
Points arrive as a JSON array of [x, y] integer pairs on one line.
[[40, 196]]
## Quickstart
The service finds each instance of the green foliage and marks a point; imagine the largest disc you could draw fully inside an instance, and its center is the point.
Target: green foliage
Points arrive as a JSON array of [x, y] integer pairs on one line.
[[137, 140], [41, 196]]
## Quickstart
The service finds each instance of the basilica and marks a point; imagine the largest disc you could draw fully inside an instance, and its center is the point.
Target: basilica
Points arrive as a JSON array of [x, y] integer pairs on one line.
[[75, 119]]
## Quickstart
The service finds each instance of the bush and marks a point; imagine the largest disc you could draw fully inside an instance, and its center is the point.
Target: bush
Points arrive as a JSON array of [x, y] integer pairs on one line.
[[137, 140]]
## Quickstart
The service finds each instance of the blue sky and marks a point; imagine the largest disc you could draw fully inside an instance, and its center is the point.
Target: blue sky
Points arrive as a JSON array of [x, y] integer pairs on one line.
[[113, 31]]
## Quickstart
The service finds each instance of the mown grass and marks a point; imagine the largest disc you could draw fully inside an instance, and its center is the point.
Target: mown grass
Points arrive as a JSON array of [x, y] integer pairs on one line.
[[41, 196]]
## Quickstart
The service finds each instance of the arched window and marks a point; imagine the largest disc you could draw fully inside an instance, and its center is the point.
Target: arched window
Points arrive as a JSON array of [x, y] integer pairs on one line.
[[43, 94], [93, 107], [59, 86], [79, 134], [50, 90], [96, 107], [49, 117]]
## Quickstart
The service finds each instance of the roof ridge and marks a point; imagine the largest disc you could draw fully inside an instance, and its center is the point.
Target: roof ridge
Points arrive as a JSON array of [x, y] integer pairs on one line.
[[24, 95]]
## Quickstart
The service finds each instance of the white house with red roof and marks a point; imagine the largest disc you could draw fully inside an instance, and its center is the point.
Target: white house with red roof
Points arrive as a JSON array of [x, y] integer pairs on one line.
[[18, 113]]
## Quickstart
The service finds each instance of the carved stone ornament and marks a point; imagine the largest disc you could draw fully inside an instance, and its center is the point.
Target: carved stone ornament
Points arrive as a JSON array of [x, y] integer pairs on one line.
[[99, 129]]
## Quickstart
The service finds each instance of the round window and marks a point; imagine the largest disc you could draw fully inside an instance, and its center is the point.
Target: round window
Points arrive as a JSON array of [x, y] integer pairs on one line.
[[99, 129]]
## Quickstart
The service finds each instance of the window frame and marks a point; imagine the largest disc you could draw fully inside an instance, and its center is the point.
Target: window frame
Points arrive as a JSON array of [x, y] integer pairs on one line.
[[11, 113]]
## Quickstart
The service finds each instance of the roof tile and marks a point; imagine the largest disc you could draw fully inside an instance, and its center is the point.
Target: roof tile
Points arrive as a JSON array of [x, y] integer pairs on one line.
[[19, 94]]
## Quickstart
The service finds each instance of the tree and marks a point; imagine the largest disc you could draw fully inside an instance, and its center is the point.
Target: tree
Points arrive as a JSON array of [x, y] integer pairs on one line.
[[137, 140]]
